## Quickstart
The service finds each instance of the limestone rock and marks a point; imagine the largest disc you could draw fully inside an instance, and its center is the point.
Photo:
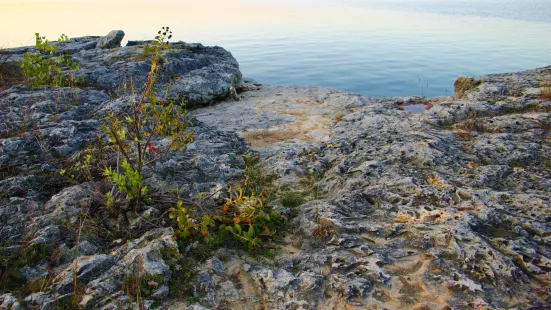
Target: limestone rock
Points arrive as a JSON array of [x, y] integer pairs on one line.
[[88, 268], [111, 40]]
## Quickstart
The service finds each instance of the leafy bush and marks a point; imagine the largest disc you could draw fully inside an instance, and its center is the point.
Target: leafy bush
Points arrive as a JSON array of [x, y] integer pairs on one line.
[[39, 70]]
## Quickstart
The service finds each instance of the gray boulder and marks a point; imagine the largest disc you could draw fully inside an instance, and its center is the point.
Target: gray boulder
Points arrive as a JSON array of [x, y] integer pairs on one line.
[[111, 40]]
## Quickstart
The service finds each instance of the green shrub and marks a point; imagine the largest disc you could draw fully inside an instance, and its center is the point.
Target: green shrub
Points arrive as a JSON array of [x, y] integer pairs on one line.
[[39, 70]]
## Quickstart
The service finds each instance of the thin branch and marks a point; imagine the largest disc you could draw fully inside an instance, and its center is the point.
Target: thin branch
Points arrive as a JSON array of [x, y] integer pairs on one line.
[[119, 144]]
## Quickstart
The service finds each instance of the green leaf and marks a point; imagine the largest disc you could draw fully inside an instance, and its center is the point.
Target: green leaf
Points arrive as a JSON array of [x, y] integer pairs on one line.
[[250, 233]]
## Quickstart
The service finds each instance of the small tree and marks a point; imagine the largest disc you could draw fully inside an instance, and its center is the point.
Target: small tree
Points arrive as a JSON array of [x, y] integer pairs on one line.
[[136, 134]]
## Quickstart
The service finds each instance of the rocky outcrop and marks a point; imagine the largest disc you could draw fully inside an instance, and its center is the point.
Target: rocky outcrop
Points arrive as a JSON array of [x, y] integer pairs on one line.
[[198, 73], [444, 209]]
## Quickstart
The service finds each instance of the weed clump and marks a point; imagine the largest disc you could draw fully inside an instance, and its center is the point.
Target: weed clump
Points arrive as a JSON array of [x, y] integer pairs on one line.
[[247, 218], [243, 218]]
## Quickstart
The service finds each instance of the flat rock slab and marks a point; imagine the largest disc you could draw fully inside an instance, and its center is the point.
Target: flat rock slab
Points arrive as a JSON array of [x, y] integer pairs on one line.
[[277, 118], [439, 209]]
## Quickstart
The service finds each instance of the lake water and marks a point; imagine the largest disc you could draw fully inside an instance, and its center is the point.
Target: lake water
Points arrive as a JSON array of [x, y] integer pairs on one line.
[[371, 47]]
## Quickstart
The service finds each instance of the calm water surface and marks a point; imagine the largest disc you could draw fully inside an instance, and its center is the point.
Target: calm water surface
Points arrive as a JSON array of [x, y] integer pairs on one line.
[[371, 47]]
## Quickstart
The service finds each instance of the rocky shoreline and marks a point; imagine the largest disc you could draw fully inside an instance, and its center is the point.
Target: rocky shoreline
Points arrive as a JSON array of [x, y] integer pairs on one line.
[[444, 209]]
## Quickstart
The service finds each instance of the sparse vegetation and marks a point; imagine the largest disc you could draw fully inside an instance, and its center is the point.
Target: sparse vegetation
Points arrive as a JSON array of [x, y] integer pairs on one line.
[[46, 70], [323, 229], [293, 199], [311, 183], [514, 88]]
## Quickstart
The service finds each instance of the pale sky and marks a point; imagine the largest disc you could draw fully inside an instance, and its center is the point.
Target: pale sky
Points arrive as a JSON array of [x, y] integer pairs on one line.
[[141, 18], [195, 20]]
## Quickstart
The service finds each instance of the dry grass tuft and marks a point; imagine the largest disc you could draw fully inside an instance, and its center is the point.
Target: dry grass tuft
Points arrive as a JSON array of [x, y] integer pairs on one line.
[[464, 84], [435, 180], [324, 229], [338, 117], [465, 136], [546, 90]]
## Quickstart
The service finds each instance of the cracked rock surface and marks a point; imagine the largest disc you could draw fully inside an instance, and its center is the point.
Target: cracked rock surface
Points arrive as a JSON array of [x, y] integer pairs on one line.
[[449, 208]]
